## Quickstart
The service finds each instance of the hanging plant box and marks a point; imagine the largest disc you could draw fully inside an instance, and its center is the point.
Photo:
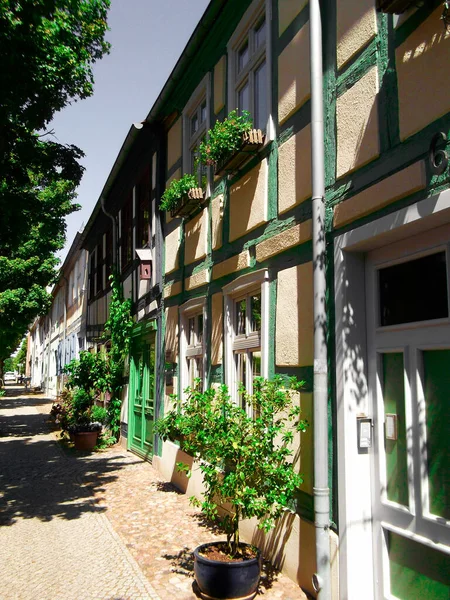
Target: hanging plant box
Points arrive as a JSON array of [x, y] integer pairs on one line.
[[252, 141], [188, 203]]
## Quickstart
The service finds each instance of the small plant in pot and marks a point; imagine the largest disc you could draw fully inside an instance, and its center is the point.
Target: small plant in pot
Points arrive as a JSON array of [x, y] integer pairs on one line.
[[246, 458]]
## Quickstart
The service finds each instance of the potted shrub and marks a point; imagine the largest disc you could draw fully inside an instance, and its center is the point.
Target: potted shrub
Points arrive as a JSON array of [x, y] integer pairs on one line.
[[230, 143], [247, 466], [182, 196], [81, 417]]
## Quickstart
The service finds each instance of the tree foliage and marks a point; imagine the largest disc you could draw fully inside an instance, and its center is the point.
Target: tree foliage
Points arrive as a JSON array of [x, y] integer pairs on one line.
[[247, 460], [47, 49]]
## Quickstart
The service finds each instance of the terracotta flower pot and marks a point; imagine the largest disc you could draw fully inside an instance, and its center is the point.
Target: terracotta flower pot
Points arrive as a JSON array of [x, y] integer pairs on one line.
[[85, 440]]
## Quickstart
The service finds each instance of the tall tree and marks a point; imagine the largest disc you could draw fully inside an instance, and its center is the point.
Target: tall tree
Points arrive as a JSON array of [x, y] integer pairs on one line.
[[47, 49]]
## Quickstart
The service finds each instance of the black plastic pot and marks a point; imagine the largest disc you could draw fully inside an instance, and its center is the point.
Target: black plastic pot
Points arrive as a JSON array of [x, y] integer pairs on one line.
[[218, 580]]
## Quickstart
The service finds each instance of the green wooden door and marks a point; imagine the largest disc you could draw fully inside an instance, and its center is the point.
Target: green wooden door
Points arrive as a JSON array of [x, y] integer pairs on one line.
[[141, 398]]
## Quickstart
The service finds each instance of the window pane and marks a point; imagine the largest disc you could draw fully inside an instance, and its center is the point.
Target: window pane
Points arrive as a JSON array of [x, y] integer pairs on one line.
[[244, 98], [261, 97], [241, 371], [191, 331], [200, 329], [243, 56], [414, 291], [199, 371], [240, 316], [256, 312], [256, 364], [194, 124], [203, 112], [260, 34]]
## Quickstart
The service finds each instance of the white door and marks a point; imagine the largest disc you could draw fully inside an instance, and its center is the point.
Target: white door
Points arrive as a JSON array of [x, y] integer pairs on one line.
[[408, 334]]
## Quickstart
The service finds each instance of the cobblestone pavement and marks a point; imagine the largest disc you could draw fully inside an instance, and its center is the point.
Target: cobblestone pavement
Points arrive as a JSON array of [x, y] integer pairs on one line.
[[85, 526]]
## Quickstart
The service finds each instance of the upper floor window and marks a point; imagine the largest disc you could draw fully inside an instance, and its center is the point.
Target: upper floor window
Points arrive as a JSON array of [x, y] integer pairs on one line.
[[99, 275], [92, 276], [196, 124], [143, 204], [249, 87], [126, 231]]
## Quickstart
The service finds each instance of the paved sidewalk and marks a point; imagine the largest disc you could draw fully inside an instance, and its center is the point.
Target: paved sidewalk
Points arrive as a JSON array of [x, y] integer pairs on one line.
[[55, 543], [94, 526]]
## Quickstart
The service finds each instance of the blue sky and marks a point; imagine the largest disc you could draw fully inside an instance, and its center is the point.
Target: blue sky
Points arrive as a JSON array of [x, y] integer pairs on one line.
[[147, 38]]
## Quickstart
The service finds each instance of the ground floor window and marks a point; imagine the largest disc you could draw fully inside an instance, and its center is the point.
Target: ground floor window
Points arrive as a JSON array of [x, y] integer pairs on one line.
[[246, 310], [192, 343]]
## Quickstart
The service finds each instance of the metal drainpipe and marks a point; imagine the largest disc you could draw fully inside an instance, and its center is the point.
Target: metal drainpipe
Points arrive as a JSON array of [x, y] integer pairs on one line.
[[321, 579]]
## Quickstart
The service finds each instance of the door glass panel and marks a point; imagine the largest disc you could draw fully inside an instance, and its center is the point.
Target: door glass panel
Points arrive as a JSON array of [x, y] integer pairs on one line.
[[414, 291], [436, 371], [395, 449], [417, 571]]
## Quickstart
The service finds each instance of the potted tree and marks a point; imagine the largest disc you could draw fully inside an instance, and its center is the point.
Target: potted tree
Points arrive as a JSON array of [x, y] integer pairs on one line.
[[182, 196], [246, 459], [230, 143]]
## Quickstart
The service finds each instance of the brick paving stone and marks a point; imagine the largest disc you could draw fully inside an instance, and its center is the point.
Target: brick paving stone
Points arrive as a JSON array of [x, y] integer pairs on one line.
[[110, 498]]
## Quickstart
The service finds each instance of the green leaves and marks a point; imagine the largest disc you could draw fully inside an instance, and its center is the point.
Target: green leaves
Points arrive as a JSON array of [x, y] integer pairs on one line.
[[246, 461], [224, 137], [176, 190]]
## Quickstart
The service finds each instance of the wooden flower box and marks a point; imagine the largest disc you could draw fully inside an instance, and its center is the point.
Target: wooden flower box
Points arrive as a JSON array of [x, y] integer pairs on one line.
[[188, 203], [252, 141]]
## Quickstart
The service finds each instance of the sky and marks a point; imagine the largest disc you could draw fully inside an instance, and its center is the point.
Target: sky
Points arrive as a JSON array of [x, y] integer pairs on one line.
[[147, 38]]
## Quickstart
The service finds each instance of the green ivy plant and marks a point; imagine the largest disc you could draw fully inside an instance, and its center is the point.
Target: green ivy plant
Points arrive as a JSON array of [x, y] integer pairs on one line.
[[247, 461], [224, 138], [176, 190], [118, 330]]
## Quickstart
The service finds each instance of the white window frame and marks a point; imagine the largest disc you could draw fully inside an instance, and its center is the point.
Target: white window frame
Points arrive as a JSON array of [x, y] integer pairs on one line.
[[243, 286], [254, 13], [201, 94], [191, 309]]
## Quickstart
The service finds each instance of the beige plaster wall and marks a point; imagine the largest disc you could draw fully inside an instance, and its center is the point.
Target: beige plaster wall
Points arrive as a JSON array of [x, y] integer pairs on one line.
[[422, 72], [248, 199], [231, 265], [197, 279], [294, 170], [172, 249], [293, 75], [166, 465], [174, 143], [195, 232], [216, 328], [357, 124], [294, 316], [290, 546], [300, 233], [287, 11], [401, 184], [216, 221], [172, 289], [356, 26], [219, 84], [171, 335]]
